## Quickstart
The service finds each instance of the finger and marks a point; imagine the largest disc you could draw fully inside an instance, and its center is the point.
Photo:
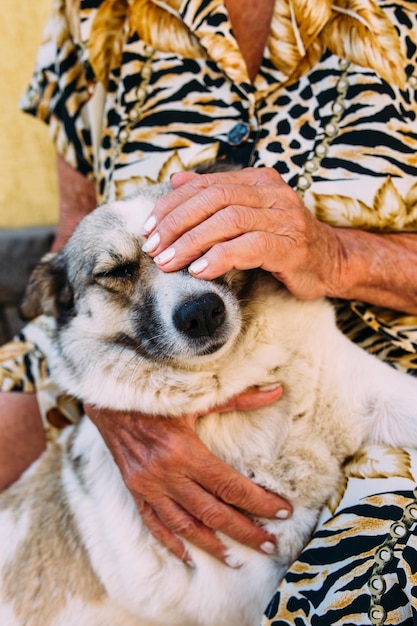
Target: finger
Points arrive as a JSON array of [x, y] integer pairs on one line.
[[246, 251], [225, 225], [229, 486], [193, 514], [193, 471], [162, 533], [203, 195], [169, 522], [182, 524], [303, 274], [191, 183], [250, 176], [200, 481], [220, 211], [200, 515], [252, 398], [204, 487]]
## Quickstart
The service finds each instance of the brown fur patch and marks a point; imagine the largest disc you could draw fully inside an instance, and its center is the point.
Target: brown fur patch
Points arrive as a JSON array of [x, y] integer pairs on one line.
[[36, 581]]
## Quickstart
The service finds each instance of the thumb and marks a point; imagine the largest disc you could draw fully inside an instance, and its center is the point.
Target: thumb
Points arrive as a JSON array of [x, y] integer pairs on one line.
[[250, 399]]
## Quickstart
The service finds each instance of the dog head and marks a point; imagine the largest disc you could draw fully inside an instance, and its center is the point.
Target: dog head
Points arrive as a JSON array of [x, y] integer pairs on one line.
[[117, 314]]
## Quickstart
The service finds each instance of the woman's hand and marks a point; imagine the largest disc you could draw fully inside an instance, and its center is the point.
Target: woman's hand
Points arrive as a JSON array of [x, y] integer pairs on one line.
[[252, 218], [243, 219], [181, 489]]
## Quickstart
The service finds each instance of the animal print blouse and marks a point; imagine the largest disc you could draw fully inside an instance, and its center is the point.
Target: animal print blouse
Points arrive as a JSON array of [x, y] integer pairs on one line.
[[134, 90]]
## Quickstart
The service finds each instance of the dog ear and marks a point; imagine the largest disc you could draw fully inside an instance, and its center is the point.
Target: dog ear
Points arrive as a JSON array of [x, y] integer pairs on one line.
[[47, 289]]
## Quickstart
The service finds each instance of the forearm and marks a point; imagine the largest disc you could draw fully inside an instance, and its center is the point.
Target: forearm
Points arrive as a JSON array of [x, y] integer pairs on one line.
[[77, 198], [22, 438], [377, 268]]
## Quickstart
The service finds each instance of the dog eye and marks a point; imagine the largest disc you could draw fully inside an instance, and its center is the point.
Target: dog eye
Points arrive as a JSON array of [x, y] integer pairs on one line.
[[118, 272]]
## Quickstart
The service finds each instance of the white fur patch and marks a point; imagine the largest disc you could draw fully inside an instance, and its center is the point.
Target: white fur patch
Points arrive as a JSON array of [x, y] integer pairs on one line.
[[336, 397]]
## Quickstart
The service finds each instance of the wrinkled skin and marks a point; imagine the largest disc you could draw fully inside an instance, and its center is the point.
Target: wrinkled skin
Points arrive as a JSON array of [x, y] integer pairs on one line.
[[252, 218], [240, 219], [182, 489]]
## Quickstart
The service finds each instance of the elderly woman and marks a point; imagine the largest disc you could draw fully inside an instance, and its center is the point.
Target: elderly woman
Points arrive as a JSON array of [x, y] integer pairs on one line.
[[317, 101]]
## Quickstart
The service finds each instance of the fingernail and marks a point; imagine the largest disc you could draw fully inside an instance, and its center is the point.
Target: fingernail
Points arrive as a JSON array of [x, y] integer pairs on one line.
[[152, 243], [268, 547], [282, 514], [149, 224], [165, 256], [233, 562], [269, 387], [198, 266], [190, 562]]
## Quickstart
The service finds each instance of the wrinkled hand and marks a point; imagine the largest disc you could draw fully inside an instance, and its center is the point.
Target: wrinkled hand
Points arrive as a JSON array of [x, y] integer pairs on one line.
[[181, 489], [243, 219]]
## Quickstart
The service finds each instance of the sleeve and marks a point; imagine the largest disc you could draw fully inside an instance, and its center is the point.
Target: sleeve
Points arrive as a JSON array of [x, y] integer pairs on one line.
[[24, 367], [60, 88]]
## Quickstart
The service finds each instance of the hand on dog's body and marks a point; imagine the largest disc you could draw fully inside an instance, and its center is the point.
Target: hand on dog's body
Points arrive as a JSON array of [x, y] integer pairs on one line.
[[181, 488], [189, 247], [121, 342], [251, 218], [166, 525], [76, 201]]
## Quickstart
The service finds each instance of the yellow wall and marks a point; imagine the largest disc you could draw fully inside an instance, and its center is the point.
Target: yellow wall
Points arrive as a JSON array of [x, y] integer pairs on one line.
[[28, 193]]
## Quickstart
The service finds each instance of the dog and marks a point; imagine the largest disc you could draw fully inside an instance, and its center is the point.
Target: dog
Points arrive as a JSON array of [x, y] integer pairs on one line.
[[73, 548]]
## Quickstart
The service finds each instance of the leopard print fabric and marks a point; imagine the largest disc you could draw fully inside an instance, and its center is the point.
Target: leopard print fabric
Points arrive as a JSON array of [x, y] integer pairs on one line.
[[335, 114], [360, 566]]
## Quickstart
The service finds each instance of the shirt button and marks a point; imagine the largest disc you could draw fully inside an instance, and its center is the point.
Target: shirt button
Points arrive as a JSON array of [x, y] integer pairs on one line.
[[238, 134]]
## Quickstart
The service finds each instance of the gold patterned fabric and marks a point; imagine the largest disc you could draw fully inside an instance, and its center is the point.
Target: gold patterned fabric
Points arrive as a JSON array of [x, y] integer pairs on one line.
[[134, 90], [158, 87], [360, 566]]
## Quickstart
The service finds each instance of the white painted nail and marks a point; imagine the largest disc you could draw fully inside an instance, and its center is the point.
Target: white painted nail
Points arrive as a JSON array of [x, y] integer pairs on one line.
[[165, 256], [149, 224], [268, 547], [269, 387], [198, 266], [282, 514], [233, 562], [152, 243]]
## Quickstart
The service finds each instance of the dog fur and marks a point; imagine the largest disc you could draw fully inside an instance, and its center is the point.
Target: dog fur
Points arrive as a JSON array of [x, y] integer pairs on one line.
[[73, 548]]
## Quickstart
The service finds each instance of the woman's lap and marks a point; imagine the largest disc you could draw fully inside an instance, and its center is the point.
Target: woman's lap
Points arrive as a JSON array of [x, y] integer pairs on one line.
[[361, 565]]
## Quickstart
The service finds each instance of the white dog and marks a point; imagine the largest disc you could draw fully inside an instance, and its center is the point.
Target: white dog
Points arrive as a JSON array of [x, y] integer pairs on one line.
[[73, 548]]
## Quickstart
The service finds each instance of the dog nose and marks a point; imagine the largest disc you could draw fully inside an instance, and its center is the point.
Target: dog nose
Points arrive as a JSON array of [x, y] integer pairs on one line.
[[201, 316]]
